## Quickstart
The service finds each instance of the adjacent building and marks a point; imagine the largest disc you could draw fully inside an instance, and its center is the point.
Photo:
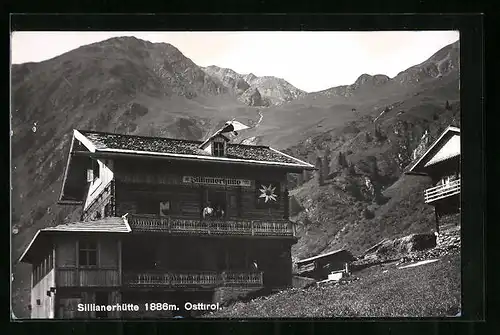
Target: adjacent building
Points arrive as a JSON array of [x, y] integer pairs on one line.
[[441, 162]]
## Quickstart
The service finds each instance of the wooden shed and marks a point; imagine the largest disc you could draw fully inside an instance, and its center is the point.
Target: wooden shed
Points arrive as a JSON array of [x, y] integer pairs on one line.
[[318, 267]]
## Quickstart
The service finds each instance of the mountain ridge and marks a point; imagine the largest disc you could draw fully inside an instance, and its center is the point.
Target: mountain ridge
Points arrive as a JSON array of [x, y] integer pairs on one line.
[[265, 90], [142, 89]]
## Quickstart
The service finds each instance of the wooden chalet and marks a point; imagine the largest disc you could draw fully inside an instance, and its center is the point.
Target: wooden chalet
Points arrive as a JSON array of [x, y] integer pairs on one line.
[[143, 236], [441, 162]]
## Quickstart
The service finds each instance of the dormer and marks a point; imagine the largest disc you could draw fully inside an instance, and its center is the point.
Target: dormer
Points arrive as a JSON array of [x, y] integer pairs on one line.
[[215, 145]]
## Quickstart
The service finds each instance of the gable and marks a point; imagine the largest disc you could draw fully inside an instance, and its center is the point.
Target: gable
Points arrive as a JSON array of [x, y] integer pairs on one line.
[[450, 149], [445, 147]]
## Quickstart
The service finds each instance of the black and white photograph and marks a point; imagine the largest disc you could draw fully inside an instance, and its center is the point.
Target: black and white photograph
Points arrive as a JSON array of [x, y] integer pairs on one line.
[[235, 174]]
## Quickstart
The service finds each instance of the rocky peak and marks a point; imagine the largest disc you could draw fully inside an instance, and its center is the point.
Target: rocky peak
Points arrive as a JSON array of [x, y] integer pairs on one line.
[[252, 97], [249, 78], [265, 91], [366, 79], [442, 63]]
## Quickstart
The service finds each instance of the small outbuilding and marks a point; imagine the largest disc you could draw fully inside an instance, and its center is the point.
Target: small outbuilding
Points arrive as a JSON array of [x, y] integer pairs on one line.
[[318, 267]]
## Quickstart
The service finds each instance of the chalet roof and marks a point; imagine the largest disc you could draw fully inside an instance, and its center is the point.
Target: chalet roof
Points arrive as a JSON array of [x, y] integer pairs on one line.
[[450, 139], [87, 143], [160, 145], [106, 225], [331, 253]]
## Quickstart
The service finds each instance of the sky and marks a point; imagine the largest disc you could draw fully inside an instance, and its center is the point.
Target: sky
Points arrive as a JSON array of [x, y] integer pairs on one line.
[[311, 61]]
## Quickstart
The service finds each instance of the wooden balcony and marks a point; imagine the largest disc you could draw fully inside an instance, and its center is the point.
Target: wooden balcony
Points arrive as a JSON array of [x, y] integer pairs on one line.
[[193, 279], [171, 225], [87, 277], [442, 191]]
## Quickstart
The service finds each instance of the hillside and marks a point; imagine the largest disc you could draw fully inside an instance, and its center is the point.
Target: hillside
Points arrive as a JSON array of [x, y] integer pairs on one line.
[[380, 291], [131, 86]]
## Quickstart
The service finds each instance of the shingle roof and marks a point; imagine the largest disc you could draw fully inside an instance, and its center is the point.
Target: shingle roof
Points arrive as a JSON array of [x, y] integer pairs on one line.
[[110, 142], [106, 225]]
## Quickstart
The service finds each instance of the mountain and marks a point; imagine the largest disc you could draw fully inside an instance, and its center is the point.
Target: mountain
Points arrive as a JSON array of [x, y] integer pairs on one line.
[[132, 86], [256, 91]]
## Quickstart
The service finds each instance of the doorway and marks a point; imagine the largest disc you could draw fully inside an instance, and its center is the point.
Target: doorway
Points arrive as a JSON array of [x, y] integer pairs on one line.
[[101, 299], [218, 201]]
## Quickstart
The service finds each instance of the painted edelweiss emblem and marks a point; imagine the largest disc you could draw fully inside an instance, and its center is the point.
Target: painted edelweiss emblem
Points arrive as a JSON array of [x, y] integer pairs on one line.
[[268, 193]]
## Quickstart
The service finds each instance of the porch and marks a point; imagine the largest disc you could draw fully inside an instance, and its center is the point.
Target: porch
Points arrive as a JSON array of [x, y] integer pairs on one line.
[[172, 225], [202, 279], [439, 192]]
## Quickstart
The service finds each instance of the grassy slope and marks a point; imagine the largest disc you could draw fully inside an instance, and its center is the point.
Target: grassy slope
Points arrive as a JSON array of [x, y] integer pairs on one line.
[[429, 290]]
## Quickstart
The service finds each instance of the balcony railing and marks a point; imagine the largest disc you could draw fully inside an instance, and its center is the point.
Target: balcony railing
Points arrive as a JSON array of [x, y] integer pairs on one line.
[[442, 191], [210, 227], [85, 277], [193, 279]]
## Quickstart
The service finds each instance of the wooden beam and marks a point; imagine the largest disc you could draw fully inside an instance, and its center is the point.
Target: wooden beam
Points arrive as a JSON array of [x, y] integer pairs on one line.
[[436, 214], [119, 244]]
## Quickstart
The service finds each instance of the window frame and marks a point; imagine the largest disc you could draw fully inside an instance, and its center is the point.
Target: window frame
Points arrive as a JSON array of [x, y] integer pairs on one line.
[[96, 169], [83, 247], [218, 149]]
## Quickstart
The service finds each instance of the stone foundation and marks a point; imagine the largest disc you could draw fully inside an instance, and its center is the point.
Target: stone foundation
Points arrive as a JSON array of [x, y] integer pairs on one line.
[[449, 238]]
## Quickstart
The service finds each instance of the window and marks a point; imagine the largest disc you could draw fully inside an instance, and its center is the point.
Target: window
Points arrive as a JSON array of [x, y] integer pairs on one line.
[[217, 201], [87, 253], [101, 298], [218, 149], [95, 168], [147, 206], [234, 201]]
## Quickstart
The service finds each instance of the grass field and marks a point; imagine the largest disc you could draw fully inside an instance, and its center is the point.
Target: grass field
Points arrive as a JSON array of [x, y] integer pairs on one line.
[[429, 290]]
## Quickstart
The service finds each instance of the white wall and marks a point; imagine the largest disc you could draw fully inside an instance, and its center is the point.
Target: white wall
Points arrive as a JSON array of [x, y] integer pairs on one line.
[[449, 149], [46, 308], [105, 176]]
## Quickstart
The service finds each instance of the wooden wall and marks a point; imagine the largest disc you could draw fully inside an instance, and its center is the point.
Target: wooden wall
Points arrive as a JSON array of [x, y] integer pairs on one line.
[[105, 274], [162, 182], [209, 254], [445, 168]]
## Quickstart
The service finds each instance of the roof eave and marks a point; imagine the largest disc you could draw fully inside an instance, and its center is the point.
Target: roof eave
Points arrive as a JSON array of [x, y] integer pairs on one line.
[[24, 258], [112, 153]]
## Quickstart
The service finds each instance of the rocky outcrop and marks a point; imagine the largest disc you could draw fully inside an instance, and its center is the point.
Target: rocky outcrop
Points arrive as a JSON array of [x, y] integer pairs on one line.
[[252, 97], [422, 146], [272, 90]]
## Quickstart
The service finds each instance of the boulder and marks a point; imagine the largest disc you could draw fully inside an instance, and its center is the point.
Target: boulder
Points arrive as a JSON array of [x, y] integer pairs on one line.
[[410, 243]]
